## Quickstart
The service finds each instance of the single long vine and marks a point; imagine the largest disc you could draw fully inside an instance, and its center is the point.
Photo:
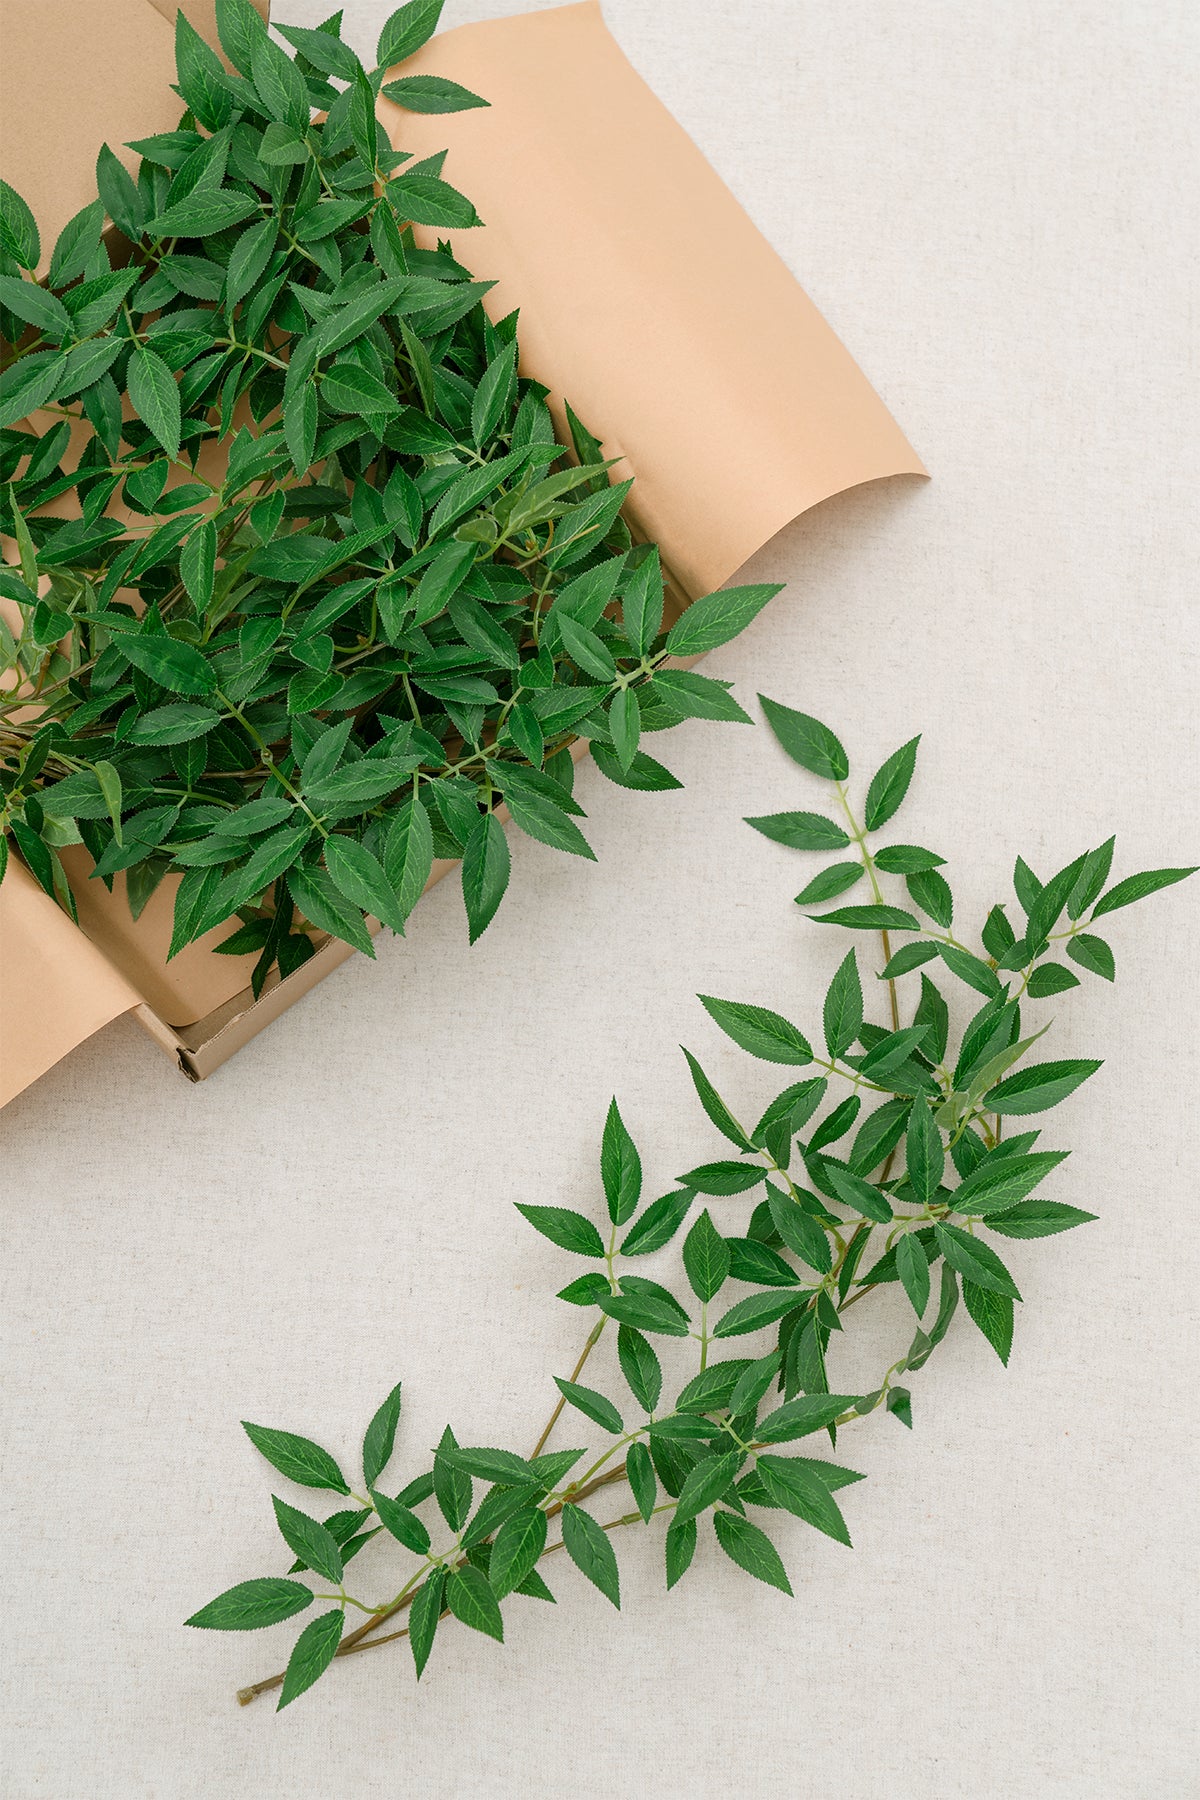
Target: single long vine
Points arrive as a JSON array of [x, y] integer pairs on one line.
[[801, 1255]]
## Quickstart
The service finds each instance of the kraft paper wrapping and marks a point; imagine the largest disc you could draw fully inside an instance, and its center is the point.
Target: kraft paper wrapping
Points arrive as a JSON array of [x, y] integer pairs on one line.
[[649, 301]]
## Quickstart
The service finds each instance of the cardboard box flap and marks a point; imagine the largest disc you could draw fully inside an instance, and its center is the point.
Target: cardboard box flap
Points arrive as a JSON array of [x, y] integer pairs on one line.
[[102, 70]]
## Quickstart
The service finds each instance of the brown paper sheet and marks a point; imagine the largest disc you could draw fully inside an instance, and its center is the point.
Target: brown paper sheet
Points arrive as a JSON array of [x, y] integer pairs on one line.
[[647, 298], [56, 988]]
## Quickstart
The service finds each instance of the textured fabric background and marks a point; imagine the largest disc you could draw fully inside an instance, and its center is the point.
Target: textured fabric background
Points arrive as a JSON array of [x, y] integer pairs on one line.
[[991, 205]]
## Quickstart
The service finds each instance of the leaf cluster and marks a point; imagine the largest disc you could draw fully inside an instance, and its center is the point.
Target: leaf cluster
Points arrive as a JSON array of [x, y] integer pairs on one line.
[[331, 589]]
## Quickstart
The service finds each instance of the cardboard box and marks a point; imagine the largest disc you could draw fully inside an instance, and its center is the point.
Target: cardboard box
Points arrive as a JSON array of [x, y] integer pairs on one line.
[[647, 297]]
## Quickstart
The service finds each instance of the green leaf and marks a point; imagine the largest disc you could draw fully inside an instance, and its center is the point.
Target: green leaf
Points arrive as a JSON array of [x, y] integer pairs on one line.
[[408, 854], [802, 1416], [993, 1313], [1037, 1218], [791, 1483], [519, 1543], [843, 1007], [639, 1472], [315, 1648], [197, 562], [751, 1549], [1050, 978], [925, 1156], [432, 94], [30, 382], [807, 741], [640, 1366], [1039, 1086], [1137, 887], [1091, 879], [800, 1232], [801, 830], [763, 1033], [715, 1107], [931, 892], [716, 618], [889, 784], [642, 603], [878, 1135], [470, 1598], [427, 200], [179, 723], [322, 904], [298, 1458], [154, 396], [358, 875], [906, 960], [281, 86], [645, 1312], [18, 229], [36, 306], [754, 1312], [858, 1194], [995, 1185], [406, 30], [380, 1438], [309, 1540], [485, 872], [706, 1483], [680, 1549], [252, 1604], [400, 1522], [569, 1230], [658, 1224], [975, 1261], [971, 969], [906, 859], [620, 1168], [589, 1549], [912, 1266], [503, 1467], [723, 1178], [829, 883], [348, 389], [1094, 954], [693, 696], [591, 1404], [423, 1617], [870, 918], [705, 1258]]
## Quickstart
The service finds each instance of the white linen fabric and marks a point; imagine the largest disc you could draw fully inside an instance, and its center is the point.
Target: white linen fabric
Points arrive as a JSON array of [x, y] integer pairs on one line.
[[991, 205]]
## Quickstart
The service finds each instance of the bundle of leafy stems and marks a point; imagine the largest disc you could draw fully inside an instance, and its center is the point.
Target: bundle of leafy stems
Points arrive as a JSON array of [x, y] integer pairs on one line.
[[828, 1226], [333, 591]]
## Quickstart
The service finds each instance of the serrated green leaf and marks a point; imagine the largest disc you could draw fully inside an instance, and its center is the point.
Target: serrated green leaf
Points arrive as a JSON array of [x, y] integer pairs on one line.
[[974, 1260], [298, 1458], [705, 1258], [807, 741], [569, 1230], [588, 1547], [252, 1604], [763, 1033], [889, 784], [801, 830], [314, 1649]]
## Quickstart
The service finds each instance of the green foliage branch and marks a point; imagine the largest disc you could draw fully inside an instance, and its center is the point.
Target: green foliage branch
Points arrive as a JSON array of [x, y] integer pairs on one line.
[[297, 669], [884, 1165]]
